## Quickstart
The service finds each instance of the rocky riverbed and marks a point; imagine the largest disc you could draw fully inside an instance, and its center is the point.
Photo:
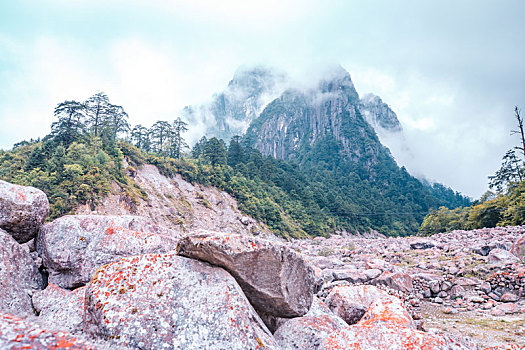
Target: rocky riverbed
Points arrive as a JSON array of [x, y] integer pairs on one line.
[[111, 282]]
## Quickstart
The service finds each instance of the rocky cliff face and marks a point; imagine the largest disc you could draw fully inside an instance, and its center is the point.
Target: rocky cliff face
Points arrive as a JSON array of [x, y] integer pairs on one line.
[[330, 112], [379, 115], [231, 111]]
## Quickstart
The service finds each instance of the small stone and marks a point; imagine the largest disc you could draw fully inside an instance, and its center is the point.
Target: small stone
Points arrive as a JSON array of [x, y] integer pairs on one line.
[[509, 298], [446, 285], [485, 287], [476, 299], [497, 312], [434, 286], [494, 296], [442, 294], [449, 311]]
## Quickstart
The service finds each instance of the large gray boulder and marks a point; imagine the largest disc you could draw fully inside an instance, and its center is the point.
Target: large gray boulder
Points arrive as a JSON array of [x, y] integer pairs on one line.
[[164, 301], [352, 302], [386, 325], [74, 247], [60, 308], [18, 277], [307, 332], [518, 248], [23, 209], [276, 279], [502, 257]]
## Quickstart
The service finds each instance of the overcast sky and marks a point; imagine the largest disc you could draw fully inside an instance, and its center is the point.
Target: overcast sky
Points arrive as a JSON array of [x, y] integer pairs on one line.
[[451, 70]]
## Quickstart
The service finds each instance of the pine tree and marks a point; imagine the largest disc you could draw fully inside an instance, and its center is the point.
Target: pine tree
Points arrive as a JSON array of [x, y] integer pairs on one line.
[[140, 136], [235, 151], [70, 125], [214, 151], [196, 151], [97, 110], [178, 142], [117, 121], [161, 132]]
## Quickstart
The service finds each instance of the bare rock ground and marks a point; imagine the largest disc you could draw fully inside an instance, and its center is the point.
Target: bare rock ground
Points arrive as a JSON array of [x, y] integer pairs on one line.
[[174, 202], [466, 283]]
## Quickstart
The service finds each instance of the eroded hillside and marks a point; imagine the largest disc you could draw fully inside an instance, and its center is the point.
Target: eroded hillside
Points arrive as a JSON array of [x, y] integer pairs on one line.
[[174, 202]]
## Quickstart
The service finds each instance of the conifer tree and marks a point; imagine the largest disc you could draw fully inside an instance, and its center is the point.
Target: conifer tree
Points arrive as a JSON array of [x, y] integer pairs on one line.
[[178, 142], [97, 110], [140, 137], [196, 151], [161, 132], [117, 120], [235, 151], [70, 125], [214, 151]]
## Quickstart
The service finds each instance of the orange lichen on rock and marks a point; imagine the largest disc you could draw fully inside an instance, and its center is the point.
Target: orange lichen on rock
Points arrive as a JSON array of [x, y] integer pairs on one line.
[[19, 333], [202, 306], [385, 325]]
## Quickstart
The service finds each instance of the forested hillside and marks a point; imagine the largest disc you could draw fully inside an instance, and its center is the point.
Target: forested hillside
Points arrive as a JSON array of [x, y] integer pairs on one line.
[[83, 155]]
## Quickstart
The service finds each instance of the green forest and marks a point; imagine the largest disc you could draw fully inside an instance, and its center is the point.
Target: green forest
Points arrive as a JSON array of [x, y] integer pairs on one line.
[[82, 157]]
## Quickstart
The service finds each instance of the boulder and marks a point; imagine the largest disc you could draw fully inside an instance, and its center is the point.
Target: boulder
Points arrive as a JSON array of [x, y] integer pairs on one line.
[[422, 243], [276, 279], [385, 325], [19, 333], [18, 277], [388, 337], [351, 302], [60, 308], [319, 308], [518, 248], [73, 247], [307, 332], [159, 301], [395, 280], [23, 209], [508, 308], [501, 256], [509, 298]]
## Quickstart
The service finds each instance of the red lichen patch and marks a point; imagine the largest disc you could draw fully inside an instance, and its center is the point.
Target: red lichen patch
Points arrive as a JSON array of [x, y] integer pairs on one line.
[[19, 192], [124, 303], [387, 337], [18, 333], [385, 325]]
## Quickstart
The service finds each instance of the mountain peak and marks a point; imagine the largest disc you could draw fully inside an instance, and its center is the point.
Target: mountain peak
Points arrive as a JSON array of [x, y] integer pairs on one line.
[[379, 114], [336, 79], [254, 79]]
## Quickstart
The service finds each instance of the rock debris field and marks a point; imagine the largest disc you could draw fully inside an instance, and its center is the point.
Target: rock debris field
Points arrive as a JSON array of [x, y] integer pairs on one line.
[[124, 282]]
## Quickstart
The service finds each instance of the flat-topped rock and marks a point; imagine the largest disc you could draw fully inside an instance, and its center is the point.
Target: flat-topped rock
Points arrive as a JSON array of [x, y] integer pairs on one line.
[[19, 333]]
